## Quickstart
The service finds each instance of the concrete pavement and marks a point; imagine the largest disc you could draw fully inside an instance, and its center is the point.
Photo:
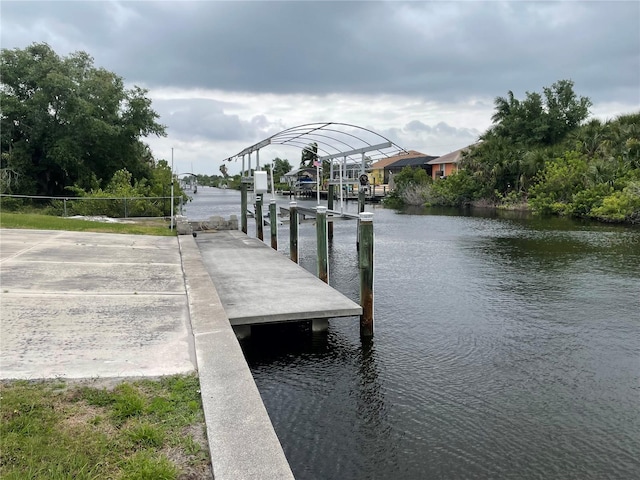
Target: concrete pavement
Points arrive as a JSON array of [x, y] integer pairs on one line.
[[87, 305]]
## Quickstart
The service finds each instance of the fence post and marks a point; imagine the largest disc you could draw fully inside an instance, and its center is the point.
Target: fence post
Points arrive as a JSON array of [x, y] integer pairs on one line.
[[323, 250], [259, 219], [65, 206], [125, 207], [273, 220], [365, 263], [243, 207], [293, 231]]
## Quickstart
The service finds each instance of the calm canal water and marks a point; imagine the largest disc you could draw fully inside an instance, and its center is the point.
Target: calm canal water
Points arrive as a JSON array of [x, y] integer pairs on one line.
[[504, 348]]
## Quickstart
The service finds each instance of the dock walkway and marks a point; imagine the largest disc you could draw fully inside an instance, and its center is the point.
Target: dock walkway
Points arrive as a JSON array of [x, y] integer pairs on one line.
[[258, 285]]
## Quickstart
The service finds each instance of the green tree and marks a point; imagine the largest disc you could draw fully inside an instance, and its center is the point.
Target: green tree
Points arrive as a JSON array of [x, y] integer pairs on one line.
[[524, 136], [564, 110], [280, 168], [540, 119], [65, 122], [309, 155]]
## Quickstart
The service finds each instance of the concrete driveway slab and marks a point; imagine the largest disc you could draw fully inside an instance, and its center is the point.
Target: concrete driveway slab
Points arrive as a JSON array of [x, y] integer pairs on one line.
[[47, 336], [95, 277], [81, 304]]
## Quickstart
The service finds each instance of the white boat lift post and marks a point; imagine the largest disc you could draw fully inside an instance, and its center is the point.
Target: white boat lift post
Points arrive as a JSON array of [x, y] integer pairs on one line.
[[317, 162], [343, 167]]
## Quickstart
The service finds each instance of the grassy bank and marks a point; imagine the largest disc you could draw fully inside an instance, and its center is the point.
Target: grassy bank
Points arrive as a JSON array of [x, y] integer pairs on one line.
[[48, 222], [147, 429]]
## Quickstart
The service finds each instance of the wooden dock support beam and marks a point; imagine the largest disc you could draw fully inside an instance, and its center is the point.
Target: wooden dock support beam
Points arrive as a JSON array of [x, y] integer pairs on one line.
[[259, 218], [293, 231], [323, 249], [365, 263], [273, 223]]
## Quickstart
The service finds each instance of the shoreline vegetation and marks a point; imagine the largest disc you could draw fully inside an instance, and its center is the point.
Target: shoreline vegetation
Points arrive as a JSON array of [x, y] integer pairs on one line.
[[541, 154], [81, 136]]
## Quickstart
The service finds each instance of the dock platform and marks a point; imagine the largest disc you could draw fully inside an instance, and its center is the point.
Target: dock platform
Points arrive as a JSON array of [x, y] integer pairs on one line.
[[258, 285]]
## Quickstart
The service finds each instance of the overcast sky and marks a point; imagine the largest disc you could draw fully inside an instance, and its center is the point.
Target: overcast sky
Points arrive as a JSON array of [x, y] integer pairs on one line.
[[225, 75]]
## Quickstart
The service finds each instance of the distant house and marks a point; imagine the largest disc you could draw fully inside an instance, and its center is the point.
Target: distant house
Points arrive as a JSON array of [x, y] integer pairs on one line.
[[380, 170], [442, 167]]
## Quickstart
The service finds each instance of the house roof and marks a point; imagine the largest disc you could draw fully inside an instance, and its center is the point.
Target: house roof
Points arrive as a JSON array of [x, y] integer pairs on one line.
[[386, 162], [413, 162], [452, 157]]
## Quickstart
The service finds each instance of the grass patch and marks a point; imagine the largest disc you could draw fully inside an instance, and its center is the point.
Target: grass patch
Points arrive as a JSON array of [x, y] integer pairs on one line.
[[48, 222], [147, 429]]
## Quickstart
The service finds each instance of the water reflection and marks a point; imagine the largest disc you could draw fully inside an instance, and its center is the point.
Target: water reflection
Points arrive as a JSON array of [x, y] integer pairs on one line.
[[506, 347], [317, 369]]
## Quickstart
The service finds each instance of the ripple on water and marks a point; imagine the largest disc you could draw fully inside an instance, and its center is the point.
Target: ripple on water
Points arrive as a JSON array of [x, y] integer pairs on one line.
[[503, 349]]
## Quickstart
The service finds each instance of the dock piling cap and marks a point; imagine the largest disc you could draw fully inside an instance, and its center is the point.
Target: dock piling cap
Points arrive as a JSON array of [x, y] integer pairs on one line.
[[293, 204], [366, 217], [321, 209]]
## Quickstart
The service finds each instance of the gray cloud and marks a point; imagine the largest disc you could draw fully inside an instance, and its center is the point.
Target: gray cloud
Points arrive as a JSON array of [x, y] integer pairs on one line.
[[423, 74], [198, 119], [451, 51], [435, 139]]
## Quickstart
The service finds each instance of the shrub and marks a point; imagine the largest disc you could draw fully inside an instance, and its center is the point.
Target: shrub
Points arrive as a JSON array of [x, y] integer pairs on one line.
[[457, 189], [620, 206]]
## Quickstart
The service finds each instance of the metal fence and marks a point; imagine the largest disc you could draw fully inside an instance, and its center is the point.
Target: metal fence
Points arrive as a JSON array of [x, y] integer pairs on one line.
[[116, 207]]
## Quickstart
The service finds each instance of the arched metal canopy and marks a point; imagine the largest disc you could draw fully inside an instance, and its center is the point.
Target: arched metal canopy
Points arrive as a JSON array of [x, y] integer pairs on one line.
[[334, 140]]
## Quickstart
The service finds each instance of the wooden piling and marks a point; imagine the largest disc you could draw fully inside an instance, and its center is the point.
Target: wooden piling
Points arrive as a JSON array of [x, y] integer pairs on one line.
[[273, 220], [361, 204], [259, 218], [323, 249], [365, 263], [243, 207], [293, 231]]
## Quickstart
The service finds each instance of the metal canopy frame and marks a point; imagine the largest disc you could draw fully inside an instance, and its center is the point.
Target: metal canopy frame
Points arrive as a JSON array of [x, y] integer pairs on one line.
[[334, 140], [336, 143]]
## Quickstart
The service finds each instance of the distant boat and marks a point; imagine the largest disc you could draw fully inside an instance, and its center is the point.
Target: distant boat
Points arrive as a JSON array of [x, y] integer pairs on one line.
[[305, 184]]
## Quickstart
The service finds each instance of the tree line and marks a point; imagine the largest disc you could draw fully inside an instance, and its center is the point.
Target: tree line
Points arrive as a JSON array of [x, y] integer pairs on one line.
[[543, 153], [69, 128]]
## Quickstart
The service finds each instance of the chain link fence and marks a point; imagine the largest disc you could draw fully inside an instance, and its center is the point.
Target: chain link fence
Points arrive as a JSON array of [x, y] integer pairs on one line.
[[115, 207]]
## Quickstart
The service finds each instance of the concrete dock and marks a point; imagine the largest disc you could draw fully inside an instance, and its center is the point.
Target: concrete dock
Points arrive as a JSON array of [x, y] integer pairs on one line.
[[87, 305], [257, 285]]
